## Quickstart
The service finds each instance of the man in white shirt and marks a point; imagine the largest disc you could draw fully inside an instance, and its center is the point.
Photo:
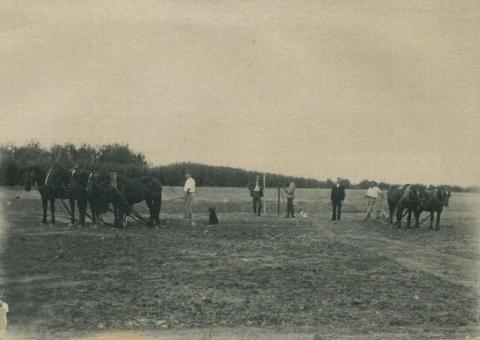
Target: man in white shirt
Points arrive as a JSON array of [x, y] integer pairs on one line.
[[189, 191], [373, 193], [3, 317]]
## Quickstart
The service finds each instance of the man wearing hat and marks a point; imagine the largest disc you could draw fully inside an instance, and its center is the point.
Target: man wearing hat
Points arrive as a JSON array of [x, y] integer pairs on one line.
[[373, 194], [189, 191], [256, 192], [337, 196], [290, 192]]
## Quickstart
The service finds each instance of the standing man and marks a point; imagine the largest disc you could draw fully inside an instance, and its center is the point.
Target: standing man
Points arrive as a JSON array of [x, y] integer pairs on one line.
[[290, 191], [3, 318], [189, 191], [256, 192], [373, 193], [337, 196]]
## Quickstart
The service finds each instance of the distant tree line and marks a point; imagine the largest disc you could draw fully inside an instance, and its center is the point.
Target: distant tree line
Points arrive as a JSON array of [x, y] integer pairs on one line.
[[222, 176], [14, 160]]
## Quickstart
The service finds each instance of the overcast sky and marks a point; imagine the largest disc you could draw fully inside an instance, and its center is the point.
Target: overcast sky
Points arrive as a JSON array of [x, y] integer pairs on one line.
[[360, 89]]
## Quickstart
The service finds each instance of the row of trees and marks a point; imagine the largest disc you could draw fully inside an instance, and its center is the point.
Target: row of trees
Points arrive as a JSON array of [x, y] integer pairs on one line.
[[14, 160]]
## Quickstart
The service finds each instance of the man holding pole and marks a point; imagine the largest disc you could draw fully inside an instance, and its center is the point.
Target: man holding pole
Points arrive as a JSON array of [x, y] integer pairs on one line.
[[256, 192], [290, 191]]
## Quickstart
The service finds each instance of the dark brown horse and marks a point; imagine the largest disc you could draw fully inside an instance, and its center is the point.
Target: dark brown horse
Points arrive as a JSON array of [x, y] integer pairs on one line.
[[436, 198], [123, 193], [407, 197], [77, 190], [126, 192], [98, 195], [51, 185]]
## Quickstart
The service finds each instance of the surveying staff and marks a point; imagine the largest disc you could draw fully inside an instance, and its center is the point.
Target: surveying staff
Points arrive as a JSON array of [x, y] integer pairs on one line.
[[337, 196], [373, 193], [290, 191], [256, 192], [189, 191]]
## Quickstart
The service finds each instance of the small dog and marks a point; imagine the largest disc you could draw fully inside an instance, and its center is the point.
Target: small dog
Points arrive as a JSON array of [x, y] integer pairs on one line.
[[212, 219], [302, 214]]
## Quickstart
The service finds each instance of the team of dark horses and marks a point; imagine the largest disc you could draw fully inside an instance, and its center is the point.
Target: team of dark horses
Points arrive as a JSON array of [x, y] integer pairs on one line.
[[413, 200], [99, 190]]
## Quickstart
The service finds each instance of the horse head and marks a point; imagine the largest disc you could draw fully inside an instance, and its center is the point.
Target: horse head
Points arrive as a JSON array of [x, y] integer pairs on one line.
[[411, 193], [28, 181], [420, 193], [95, 181], [33, 176], [91, 181], [113, 179], [79, 179], [444, 196]]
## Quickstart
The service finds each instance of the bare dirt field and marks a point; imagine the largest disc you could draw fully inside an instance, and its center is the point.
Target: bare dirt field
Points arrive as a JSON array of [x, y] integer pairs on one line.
[[247, 278]]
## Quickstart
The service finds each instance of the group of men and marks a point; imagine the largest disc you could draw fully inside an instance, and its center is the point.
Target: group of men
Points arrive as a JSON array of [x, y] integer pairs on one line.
[[337, 196], [256, 188], [256, 192]]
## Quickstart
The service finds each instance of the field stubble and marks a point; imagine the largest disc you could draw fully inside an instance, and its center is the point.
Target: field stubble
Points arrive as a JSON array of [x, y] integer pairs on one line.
[[308, 276]]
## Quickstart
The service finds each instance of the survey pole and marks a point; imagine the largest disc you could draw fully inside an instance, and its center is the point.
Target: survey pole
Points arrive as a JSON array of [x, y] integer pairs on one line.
[[278, 202], [264, 194]]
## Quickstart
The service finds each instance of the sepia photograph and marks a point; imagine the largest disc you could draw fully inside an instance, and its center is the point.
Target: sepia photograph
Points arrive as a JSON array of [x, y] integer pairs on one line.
[[258, 169]]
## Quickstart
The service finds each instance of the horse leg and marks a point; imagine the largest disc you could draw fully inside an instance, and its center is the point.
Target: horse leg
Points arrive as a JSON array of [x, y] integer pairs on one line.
[[391, 211], [119, 213], [97, 213], [409, 218], [417, 218], [82, 210], [432, 216], [158, 205], [437, 224], [72, 211], [124, 211], [399, 217], [97, 218], [151, 210], [115, 215], [92, 212], [52, 209], [45, 208]]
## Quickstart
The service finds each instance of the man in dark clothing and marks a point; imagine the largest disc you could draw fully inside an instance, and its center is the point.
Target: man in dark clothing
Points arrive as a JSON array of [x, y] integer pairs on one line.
[[337, 196], [256, 192]]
